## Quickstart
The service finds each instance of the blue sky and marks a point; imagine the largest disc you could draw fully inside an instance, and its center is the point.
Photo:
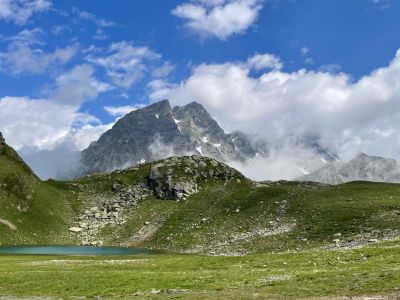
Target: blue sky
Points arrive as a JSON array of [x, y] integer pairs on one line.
[[77, 65]]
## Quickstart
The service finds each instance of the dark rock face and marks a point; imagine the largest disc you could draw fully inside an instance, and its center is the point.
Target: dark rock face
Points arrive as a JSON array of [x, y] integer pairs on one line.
[[2, 142], [362, 167], [177, 178], [159, 131]]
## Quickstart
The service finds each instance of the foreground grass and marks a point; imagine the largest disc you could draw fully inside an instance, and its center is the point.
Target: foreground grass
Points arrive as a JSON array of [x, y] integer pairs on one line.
[[359, 272]]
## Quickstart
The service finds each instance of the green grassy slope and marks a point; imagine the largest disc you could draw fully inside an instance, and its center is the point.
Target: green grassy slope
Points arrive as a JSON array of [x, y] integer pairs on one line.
[[235, 216], [32, 211], [241, 218]]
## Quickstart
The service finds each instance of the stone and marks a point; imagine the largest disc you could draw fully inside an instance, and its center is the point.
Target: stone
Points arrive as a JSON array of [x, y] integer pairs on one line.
[[75, 229], [202, 164]]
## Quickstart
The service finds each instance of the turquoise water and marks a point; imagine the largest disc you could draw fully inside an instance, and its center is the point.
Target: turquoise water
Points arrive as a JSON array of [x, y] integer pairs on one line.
[[71, 250]]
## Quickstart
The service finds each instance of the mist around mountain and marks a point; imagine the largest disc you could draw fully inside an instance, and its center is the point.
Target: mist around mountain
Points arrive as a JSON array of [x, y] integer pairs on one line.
[[361, 168], [160, 131]]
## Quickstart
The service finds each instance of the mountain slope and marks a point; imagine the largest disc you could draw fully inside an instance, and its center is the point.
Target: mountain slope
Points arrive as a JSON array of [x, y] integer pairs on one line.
[[32, 211], [159, 131], [362, 167], [191, 204]]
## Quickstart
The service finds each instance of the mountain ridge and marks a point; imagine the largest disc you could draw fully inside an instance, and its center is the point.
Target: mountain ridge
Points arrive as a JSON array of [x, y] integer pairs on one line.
[[362, 167], [158, 131]]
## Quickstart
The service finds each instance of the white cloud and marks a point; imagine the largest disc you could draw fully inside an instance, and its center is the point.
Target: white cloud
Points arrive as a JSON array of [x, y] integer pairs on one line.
[[218, 18], [83, 136], [304, 50], [264, 61], [78, 85], [45, 130], [346, 116], [119, 111], [383, 4], [86, 16], [44, 123], [125, 63], [38, 123], [100, 35], [24, 54], [20, 11]]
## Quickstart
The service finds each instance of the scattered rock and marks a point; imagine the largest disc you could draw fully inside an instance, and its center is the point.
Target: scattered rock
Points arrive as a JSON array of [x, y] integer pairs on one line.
[[8, 223], [75, 229]]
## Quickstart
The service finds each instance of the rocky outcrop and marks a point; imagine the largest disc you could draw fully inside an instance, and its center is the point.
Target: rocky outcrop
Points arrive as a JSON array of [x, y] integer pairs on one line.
[[107, 209], [2, 142], [174, 178], [164, 186], [178, 178]]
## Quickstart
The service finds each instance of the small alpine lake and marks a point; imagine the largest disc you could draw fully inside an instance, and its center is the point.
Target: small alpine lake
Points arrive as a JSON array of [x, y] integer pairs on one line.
[[72, 250]]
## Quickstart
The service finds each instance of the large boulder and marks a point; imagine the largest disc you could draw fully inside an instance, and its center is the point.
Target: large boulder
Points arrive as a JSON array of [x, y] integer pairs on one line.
[[165, 187], [177, 178]]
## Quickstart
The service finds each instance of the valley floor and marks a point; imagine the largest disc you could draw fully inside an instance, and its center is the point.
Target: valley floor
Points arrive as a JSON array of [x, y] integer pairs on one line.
[[373, 271]]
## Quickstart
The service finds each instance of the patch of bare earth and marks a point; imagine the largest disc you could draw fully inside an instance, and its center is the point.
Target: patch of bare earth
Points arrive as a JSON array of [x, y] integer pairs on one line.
[[8, 224], [143, 234]]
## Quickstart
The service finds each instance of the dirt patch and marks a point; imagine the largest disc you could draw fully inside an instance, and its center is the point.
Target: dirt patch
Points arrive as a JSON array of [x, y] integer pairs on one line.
[[8, 224], [144, 233]]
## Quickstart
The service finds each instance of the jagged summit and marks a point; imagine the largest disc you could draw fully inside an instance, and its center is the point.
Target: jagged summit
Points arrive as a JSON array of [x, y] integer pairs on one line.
[[159, 131], [361, 167]]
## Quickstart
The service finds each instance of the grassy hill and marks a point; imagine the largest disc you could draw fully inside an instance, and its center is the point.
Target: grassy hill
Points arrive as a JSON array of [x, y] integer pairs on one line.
[[32, 211], [205, 207]]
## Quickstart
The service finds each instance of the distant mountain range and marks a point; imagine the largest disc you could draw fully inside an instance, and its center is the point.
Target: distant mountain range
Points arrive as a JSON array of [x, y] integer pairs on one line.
[[362, 167], [159, 131]]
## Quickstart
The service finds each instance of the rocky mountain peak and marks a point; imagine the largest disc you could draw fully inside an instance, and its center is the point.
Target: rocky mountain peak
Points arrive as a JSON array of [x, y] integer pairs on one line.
[[158, 131], [362, 156], [362, 167]]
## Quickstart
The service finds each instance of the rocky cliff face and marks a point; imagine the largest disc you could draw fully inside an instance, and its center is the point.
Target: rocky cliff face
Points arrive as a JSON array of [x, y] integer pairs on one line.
[[159, 131], [362, 167], [174, 178], [2, 142]]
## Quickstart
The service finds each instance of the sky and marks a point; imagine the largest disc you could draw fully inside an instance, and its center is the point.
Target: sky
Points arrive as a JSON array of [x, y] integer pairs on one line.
[[274, 68]]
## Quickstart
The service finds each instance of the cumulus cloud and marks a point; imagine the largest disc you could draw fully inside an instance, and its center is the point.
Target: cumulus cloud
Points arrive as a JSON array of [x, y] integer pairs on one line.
[[119, 111], [218, 18], [45, 130], [78, 85], [25, 55], [20, 11], [344, 115], [44, 123], [264, 61], [125, 63]]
